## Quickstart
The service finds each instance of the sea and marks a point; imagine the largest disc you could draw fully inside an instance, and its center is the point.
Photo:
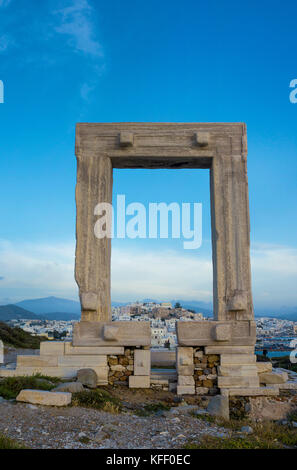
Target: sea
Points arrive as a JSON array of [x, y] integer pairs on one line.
[[276, 353]]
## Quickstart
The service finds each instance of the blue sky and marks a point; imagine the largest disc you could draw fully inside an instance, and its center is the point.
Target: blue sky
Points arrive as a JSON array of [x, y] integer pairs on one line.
[[68, 61]]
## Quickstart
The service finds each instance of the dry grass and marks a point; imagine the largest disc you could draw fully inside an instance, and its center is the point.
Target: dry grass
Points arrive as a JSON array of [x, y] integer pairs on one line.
[[7, 443], [266, 435]]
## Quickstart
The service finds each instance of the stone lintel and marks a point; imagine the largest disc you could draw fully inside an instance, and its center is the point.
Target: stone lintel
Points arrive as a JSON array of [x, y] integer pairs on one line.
[[111, 334], [207, 333]]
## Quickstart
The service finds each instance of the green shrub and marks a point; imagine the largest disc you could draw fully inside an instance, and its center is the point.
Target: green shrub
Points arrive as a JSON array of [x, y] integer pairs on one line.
[[152, 408], [98, 399], [19, 338], [10, 387]]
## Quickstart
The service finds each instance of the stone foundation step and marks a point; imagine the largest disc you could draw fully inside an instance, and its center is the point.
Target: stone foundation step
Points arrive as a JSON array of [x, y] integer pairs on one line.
[[229, 349], [250, 392], [240, 359], [249, 370], [238, 381], [62, 372]]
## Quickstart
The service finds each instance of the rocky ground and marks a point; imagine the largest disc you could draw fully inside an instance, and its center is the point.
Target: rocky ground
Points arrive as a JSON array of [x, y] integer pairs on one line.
[[41, 427]]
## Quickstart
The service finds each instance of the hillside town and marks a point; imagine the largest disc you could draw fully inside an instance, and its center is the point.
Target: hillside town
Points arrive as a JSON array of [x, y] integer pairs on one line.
[[273, 334]]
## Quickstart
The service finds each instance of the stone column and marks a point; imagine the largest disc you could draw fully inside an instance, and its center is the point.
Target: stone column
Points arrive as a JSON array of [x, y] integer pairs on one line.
[[231, 238], [92, 262]]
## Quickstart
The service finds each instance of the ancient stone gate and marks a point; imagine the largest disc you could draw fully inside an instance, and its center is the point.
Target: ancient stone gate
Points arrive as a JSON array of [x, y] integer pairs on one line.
[[213, 356], [221, 148]]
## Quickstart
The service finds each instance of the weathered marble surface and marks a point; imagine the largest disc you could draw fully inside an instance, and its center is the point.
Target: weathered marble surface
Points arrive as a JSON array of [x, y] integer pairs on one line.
[[204, 333], [220, 147], [86, 333]]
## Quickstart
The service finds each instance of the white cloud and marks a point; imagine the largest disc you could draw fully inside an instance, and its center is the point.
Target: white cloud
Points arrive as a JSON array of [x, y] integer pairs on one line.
[[274, 270], [33, 270], [40, 270], [75, 22], [164, 275]]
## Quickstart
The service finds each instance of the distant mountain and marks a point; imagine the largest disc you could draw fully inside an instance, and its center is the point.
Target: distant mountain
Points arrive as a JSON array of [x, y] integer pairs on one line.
[[51, 305], [63, 316], [282, 315], [13, 312]]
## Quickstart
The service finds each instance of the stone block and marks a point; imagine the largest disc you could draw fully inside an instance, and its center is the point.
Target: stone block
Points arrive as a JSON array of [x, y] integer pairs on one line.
[[186, 370], [203, 333], [52, 348], [198, 354], [63, 372], [87, 377], [184, 357], [37, 361], [186, 380], [202, 390], [253, 392], [185, 390], [223, 349], [118, 368], [39, 397], [241, 359], [93, 350], [219, 406], [139, 381], [102, 375], [211, 377], [126, 139], [263, 367], [213, 358], [202, 138], [82, 361], [71, 387], [93, 333], [238, 370], [142, 362], [111, 332], [238, 382], [207, 383], [273, 377], [222, 332]]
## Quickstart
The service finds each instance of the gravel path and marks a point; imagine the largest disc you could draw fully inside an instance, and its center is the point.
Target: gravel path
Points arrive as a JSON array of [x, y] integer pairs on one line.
[[41, 427]]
